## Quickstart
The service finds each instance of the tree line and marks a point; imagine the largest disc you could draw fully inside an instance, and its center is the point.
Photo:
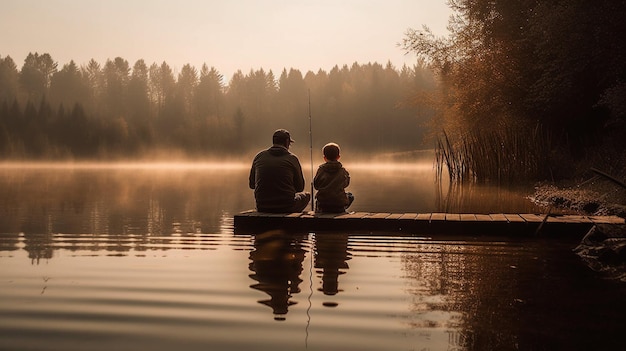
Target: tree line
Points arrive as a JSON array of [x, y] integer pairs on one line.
[[117, 110], [529, 87]]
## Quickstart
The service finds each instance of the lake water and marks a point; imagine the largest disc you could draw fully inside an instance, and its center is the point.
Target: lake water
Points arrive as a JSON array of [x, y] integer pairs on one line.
[[144, 257]]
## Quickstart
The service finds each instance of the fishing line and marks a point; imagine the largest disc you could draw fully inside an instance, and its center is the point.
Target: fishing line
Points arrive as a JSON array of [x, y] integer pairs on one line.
[[308, 310], [311, 149]]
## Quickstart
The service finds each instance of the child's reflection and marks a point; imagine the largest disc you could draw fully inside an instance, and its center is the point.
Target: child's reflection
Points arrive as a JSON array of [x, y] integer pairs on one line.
[[277, 264], [331, 256]]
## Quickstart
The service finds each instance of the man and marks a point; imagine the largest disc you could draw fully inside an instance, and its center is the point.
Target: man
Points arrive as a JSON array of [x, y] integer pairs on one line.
[[276, 177]]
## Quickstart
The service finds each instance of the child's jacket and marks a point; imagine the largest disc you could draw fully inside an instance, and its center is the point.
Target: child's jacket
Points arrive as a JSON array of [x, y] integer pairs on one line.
[[330, 181]]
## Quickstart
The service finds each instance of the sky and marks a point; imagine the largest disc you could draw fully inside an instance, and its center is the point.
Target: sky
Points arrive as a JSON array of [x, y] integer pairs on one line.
[[229, 35]]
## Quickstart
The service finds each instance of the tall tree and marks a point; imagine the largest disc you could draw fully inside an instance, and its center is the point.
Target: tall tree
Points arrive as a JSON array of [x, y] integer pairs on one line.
[[292, 92], [161, 84], [186, 85], [138, 94], [169, 110], [5, 138], [67, 86], [116, 74], [8, 79], [35, 75], [209, 93], [140, 116], [94, 81]]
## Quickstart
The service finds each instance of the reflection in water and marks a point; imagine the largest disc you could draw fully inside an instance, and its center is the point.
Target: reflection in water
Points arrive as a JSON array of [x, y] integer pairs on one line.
[[400, 292], [331, 254], [277, 264], [151, 205], [148, 256], [468, 288], [128, 201], [481, 198], [39, 247]]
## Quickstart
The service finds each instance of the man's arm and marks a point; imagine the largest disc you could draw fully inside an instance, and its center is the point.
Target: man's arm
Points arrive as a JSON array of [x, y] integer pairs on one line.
[[251, 178], [298, 177]]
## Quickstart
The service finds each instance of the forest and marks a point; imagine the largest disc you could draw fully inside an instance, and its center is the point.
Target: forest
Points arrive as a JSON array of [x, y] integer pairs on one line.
[[115, 111], [529, 89], [518, 89]]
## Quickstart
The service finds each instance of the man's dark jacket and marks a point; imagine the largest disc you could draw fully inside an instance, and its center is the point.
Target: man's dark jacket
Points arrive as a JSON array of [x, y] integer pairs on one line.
[[276, 177]]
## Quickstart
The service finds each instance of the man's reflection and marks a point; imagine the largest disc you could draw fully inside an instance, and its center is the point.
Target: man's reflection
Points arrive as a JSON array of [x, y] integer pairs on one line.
[[331, 256], [277, 264]]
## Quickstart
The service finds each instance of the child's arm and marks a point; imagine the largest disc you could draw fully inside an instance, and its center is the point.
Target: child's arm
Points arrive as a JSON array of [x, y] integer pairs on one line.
[[317, 179]]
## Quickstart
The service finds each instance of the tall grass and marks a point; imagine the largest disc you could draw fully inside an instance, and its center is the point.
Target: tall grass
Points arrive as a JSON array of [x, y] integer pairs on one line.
[[503, 155]]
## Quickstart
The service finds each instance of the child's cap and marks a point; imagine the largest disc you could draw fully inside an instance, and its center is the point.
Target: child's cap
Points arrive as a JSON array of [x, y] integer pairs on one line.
[[331, 151]]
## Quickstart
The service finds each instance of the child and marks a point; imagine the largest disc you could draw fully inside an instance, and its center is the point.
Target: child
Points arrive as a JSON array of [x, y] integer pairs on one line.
[[330, 181]]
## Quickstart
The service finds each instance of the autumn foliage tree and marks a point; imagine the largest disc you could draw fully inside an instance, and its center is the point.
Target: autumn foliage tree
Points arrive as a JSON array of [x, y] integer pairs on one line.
[[513, 67]]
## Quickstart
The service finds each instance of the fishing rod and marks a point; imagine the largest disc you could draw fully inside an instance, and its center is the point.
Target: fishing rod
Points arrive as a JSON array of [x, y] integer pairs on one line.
[[311, 149]]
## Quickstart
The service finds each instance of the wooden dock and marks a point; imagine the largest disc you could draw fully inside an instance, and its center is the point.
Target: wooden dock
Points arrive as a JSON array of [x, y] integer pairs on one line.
[[500, 224]]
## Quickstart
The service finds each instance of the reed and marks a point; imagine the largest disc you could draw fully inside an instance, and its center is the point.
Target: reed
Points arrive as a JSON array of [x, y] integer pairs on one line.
[[504, 155]]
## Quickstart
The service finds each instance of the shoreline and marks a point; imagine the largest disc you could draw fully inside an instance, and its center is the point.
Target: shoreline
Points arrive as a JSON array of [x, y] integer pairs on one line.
[[591, 197]]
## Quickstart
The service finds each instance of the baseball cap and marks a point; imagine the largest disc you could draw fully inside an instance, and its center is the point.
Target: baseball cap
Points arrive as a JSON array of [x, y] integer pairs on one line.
[[280, 135]]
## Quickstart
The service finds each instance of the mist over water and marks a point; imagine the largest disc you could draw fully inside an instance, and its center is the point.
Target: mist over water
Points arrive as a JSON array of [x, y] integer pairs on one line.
[[93, 197]]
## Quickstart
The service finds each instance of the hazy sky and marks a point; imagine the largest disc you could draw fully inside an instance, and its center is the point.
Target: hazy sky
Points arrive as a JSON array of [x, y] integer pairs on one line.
[[228, 35]]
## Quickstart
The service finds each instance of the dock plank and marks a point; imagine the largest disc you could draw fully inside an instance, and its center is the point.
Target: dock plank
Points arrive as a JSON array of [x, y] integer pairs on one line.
[[515, 218], [437, 217], [483, 217], [498, 217], [468, 217], [408, 216], [531, 218], [556, 219], [453, 217], [607, 219], [431, 223], [353, 215], [423, 216], [378, 215], [577, 219]]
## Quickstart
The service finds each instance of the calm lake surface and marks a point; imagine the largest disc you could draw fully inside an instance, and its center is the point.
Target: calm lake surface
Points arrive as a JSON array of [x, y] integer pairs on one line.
[[144, 257]]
